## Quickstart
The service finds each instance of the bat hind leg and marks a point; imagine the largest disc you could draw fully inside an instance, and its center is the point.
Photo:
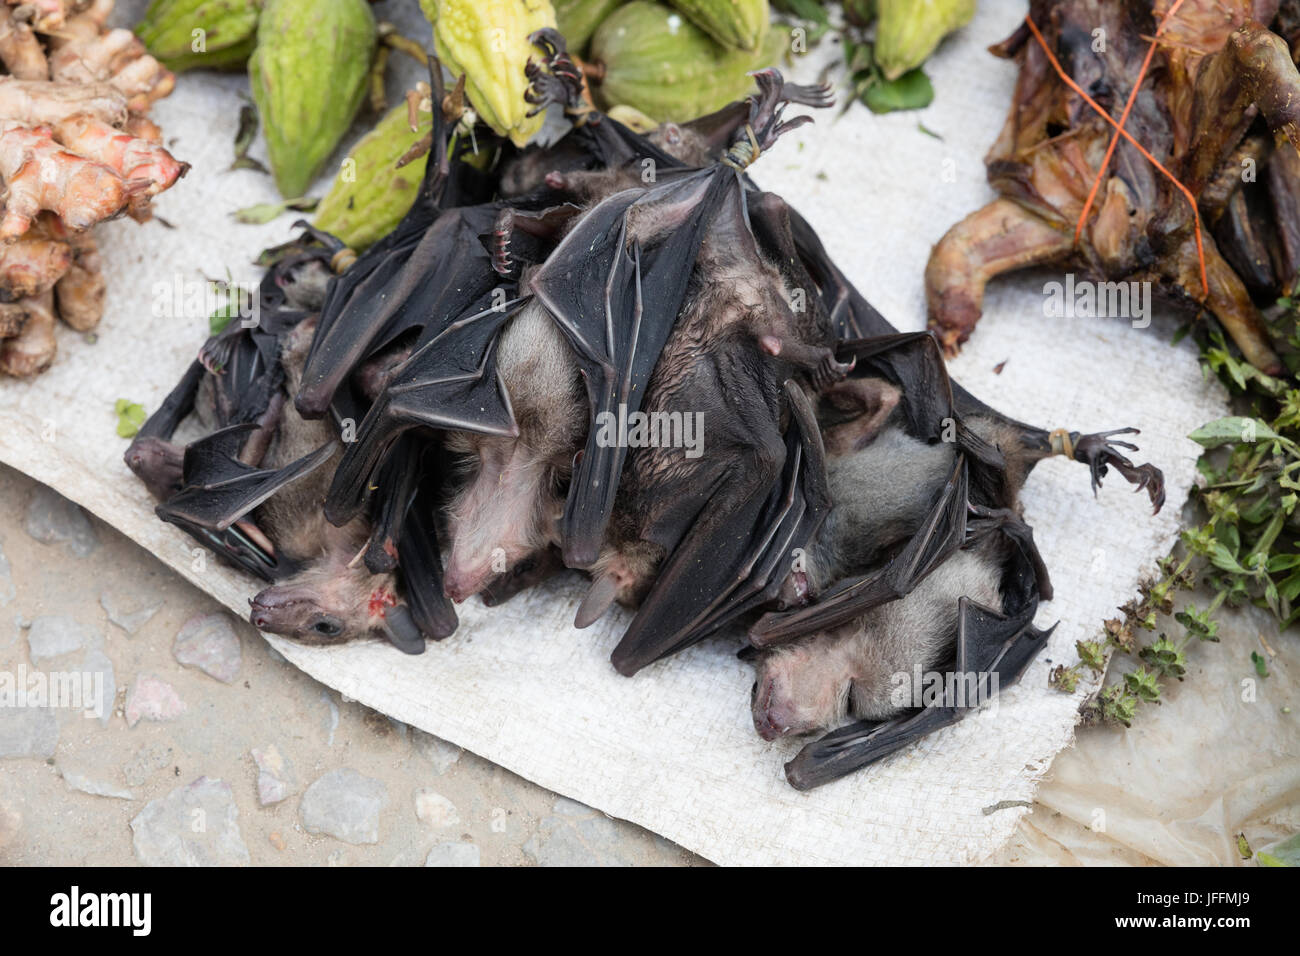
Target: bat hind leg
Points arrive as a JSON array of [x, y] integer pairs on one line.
[[823, 369]]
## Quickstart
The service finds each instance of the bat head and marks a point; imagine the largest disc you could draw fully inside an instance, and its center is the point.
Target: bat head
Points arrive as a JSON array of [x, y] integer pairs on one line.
[[157, 463], [302, 612], [801, 688], [319, 608], [304, 283]]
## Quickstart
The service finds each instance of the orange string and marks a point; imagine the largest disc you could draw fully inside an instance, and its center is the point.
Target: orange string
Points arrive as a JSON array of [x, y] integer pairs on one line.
[[1121, 131]]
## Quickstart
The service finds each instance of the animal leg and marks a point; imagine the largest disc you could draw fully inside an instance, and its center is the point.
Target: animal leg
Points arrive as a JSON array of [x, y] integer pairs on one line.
[[1002, 237], [1229, 301], [823, 369], [1254, 68]]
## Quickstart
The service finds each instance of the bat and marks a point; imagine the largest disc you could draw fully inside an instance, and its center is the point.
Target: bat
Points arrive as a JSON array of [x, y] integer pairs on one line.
[[403, 282], [235, 387], [617, 285], [252, 489], [923, 550]]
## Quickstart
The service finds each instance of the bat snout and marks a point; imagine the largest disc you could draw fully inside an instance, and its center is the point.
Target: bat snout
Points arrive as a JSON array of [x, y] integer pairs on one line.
[[770, 720], [460, 583]]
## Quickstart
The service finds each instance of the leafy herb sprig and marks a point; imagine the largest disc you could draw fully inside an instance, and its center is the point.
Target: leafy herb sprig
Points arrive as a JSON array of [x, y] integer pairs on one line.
[[1245, 548]]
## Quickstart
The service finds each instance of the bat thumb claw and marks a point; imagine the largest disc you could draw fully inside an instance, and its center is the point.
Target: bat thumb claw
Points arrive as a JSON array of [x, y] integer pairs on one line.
[[597, 602]]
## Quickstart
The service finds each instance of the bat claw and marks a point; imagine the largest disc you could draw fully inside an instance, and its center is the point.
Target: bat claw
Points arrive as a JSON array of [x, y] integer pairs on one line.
[[1100, 453], [829, 371], [561, 82]]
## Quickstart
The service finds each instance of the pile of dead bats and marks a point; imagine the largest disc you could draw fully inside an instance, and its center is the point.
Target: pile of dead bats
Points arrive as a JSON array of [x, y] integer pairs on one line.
[[477, 387]]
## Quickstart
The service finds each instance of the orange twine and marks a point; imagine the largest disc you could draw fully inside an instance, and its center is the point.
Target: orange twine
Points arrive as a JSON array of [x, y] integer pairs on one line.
[[1121, 131]]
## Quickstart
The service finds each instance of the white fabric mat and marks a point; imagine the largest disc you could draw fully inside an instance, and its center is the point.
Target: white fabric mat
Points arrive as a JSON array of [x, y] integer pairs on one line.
[[673, 749]]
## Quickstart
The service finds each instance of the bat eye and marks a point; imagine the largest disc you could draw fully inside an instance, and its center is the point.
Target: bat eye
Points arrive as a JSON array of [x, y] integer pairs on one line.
[[327, 627]]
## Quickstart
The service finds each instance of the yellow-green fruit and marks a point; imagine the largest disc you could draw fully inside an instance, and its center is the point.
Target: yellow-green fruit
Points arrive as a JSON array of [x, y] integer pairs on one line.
[[908, 30], [195, 34], [657, 61], [632, 118], [578, 19], [736, 24], [309, 74], [370, 195], [487, 41]]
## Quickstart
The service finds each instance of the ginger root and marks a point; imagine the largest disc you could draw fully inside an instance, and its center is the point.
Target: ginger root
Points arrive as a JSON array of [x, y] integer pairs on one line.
[[131, 157], [76, 148], [32, 265], [20, 50], [46, 15], [80, 293], [32, 349], [85, 53], [41, 174]]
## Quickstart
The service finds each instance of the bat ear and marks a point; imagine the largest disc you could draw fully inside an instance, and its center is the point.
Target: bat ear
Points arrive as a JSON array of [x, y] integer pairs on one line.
[[399, 627], [597, 601]]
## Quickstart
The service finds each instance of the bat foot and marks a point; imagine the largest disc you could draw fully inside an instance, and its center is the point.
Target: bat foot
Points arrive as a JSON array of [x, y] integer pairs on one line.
[[1101, 452], [829, 371], [560, 83], [502, 232]]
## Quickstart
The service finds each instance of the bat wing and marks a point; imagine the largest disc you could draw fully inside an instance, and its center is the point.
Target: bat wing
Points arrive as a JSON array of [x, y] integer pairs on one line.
[[616, 298], [449, 382], [941, 534], [218, 489], [398, 481], [851, 315], [420, 561], [993, 651], [735, 558], [612, 144], [912, 361], [175, 407], [421, 283]]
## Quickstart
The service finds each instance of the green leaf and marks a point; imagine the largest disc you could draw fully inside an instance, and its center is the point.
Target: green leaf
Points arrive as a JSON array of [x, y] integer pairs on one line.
[[1198, 623], [808, 10], [1142, 684], [264, 212], [1261, 663], [130, 416], [1286, 853], [1232, 430], [1221, 557], [1165, 659], [911, 91], [1243, 847], [1092, 654]]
